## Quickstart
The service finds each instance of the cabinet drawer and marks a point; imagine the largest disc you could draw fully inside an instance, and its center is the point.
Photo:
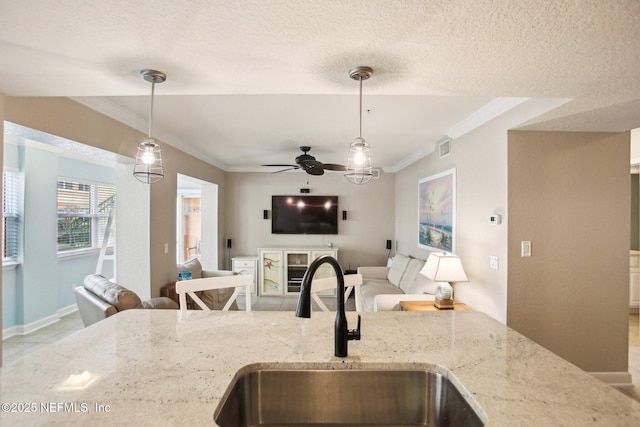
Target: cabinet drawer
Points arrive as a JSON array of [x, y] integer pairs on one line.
[[244, 263]]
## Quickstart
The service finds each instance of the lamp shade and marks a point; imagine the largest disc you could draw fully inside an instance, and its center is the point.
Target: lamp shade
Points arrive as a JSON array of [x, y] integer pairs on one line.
[[444, 267]]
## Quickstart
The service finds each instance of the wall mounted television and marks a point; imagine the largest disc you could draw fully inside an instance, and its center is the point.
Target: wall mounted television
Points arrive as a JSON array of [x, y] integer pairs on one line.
[[304, 214]]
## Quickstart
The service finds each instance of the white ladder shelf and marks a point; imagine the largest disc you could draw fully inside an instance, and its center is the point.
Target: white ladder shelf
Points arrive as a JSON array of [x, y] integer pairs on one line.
[[105, 241]]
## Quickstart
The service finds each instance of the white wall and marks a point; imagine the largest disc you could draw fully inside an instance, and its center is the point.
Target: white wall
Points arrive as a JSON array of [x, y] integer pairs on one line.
[[480, 159], [361, 239], [133, 223]]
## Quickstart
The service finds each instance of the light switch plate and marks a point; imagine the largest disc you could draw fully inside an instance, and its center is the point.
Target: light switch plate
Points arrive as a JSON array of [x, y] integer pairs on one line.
[[525, 248]]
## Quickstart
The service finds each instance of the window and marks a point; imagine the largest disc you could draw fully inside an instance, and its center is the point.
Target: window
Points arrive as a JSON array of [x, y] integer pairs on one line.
[[83, 212], [11, 215]]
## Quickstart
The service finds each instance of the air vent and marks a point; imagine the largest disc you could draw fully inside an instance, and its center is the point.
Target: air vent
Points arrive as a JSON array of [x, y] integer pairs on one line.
[[444, 148]]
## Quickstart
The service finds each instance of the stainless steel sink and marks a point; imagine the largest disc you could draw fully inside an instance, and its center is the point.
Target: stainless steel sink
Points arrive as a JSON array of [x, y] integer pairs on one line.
[[286, 397]]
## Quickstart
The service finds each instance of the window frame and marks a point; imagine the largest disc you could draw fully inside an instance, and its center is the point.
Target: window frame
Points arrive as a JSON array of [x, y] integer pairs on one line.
[[94, 214]]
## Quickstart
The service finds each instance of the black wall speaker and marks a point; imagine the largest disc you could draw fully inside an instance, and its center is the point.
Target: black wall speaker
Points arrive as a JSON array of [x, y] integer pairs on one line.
[[344, 215], [265, 214], [389, 244], [229, 243]]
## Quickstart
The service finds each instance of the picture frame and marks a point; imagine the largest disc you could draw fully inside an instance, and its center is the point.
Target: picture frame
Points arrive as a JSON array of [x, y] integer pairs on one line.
[[437, 211]]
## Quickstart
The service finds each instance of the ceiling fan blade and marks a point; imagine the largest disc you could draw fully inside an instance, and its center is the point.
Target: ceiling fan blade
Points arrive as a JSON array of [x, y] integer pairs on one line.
[[283, 166], [284, 170], [333, 167]]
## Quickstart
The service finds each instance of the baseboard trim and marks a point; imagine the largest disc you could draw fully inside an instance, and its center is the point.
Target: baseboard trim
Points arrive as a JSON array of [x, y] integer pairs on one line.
[[38, 324], [618, 379], [68, 310]]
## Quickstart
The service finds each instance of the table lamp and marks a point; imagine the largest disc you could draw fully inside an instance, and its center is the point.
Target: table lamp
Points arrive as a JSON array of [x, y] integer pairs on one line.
[[444, 268]]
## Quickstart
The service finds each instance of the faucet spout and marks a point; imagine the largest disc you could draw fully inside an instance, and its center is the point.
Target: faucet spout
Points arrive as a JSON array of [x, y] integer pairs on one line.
[[342, 333]]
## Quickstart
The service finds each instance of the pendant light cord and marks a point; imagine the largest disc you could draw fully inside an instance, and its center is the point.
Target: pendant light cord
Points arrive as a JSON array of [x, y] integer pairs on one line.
[[360, 131]]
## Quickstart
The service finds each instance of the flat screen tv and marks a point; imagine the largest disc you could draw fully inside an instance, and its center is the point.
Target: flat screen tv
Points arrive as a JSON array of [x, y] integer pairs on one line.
[[304, 214]]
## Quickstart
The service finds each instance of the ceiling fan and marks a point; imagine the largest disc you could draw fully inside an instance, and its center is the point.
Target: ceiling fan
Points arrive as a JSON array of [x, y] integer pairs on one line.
[[309, 164]]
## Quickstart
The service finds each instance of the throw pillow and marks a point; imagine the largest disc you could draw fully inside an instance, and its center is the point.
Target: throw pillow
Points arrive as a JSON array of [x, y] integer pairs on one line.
[[397, 268], [193, 266]]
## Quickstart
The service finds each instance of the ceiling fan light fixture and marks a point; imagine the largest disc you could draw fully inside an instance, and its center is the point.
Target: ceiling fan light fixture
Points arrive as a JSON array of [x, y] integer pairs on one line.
[[359, 169], [148, 167]]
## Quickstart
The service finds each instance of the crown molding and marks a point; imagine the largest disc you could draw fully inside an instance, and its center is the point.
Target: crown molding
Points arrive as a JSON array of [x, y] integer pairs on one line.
[[108, 108], [488, 112], [495, 108]]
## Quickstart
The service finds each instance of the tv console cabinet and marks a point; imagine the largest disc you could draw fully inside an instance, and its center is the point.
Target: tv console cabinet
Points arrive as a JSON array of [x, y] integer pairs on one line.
[[280, 270]]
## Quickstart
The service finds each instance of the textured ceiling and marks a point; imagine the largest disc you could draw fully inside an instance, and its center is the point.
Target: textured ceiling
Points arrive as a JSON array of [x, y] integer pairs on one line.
[[249, 81]]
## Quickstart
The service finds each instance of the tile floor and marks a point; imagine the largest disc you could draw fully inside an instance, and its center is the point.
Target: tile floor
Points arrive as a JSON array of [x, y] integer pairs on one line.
[[19, 346]]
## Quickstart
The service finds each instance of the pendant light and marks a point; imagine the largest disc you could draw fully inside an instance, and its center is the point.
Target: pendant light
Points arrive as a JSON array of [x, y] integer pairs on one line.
[[148, 168], [359, 160]]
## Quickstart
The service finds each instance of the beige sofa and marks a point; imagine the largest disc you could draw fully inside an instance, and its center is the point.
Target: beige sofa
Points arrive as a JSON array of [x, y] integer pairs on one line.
[[384, 287], [99, 298]]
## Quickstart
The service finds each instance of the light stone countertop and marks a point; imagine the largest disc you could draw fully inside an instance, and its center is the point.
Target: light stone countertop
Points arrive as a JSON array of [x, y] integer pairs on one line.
[[149, 369]]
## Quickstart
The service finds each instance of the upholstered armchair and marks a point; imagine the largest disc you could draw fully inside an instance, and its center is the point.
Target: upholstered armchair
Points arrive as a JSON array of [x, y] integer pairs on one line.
[[99, 298]]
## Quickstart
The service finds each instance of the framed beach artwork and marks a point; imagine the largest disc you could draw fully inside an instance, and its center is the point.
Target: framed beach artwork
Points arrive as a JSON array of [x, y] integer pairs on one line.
[[437, 211]]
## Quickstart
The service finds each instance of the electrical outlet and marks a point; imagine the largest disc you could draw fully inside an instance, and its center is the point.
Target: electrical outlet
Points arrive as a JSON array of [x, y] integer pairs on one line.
[[494, 262]]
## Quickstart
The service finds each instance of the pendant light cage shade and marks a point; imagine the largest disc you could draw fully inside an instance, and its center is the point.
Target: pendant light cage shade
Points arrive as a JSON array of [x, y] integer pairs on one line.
[[359, 159], [148, 168], [359, 162]]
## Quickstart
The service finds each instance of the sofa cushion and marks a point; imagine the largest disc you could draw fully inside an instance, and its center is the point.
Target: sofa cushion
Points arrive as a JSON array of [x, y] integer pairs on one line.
[[193, 266], [398, 265], [116, 295], [410, 274], [371, 288]]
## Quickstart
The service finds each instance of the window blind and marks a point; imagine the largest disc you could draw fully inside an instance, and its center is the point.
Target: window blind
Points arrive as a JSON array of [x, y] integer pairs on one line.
[[12, 214]]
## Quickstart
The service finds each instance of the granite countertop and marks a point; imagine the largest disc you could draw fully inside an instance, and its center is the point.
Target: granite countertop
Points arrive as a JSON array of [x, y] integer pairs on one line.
[[143, 367]]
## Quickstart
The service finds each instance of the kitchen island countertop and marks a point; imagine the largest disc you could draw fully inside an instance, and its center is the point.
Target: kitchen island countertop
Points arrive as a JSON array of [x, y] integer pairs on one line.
[[144, 367]]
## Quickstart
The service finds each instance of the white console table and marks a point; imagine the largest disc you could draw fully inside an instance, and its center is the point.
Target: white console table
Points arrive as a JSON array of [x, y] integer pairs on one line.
[[281, 270]]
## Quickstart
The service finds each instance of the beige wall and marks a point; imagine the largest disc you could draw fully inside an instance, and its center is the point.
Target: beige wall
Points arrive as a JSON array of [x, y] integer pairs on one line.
[[361, 239], [68, 119], [569, 195]]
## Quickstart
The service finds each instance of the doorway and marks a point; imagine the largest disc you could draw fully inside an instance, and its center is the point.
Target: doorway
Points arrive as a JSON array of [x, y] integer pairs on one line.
[[197, 221]]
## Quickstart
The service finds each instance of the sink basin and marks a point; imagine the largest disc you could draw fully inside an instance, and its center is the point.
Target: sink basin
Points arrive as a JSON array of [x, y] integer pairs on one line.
[[285, 397]]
